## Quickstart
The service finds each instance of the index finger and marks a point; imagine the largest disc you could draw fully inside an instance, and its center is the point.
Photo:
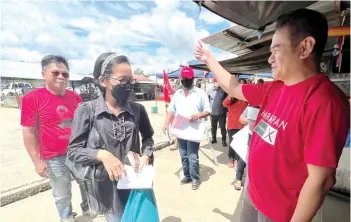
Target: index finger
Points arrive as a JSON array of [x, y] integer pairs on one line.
[[123, 170]]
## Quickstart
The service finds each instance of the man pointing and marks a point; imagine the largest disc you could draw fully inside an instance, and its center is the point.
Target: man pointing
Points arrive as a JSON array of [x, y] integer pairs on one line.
[[302, 125]]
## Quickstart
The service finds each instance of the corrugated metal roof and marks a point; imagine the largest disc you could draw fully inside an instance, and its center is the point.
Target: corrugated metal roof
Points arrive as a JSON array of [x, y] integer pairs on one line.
[[234, 39], [252, 14], [255, 58]]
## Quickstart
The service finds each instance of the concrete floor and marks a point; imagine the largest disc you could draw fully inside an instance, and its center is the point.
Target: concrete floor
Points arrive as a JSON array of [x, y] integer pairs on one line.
[[215, 201]]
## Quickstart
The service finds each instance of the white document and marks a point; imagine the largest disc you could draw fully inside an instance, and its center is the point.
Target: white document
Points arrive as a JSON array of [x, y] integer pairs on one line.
[[134, 180], [184, 129], [239, 143]]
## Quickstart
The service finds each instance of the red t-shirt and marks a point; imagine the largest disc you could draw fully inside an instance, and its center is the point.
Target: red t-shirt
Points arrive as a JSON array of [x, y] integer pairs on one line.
[[234, 112], [306, 123], [52, 115]]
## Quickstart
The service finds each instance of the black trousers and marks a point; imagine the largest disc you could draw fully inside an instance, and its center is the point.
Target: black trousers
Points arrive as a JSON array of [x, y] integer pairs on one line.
[[221, 119], [231, 152], [241, 164]]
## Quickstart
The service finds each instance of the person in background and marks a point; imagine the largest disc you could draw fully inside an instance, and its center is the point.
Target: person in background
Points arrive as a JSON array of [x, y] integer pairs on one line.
[[216, 96], [235, 109], [116, 123], [302, 125], [260, 81], [192, 102], [249, 117], [46, 118]]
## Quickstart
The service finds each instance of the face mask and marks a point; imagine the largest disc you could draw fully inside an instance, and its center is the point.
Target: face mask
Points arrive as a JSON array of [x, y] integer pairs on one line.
[[187, 83], [121, 94]]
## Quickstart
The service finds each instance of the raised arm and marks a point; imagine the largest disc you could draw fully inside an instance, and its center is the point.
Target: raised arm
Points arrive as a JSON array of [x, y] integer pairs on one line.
[[228, 82]]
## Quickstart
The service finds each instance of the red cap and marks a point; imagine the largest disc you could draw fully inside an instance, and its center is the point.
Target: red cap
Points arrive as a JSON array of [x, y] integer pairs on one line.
[[187, 72]]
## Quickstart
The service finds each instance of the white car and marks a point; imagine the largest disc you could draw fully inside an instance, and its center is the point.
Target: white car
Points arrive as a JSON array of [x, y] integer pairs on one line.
[[14, 88]]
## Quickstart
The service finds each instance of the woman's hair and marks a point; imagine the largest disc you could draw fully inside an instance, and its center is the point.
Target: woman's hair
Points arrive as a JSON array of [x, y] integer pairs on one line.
[[260, 81], [104, 65], [242, 81]]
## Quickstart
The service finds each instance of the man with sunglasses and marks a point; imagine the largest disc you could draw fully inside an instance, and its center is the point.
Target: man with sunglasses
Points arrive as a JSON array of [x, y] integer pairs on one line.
[[46, 118], [192, 102]]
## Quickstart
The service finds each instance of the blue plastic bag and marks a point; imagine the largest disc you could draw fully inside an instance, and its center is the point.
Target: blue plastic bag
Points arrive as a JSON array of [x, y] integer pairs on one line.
[[141, 207], [347, 145]]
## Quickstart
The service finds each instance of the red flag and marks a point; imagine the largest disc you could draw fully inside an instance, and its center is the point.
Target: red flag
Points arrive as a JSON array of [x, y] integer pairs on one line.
[[167, 88]]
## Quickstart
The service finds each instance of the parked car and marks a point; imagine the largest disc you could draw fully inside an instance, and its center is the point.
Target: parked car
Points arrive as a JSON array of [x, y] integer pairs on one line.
[[15, 88]]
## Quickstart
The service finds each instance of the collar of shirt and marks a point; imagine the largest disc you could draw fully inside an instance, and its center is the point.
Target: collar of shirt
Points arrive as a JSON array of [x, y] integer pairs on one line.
[[101, 107], [193, 89]]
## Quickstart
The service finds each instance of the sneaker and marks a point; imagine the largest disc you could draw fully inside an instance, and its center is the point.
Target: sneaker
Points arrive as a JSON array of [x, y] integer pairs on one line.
[[195, 184], [68, 219], [172, 148], [185, 180], [237, 184]]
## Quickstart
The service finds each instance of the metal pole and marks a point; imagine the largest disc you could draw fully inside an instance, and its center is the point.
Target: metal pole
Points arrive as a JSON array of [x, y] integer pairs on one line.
[[156, 92]]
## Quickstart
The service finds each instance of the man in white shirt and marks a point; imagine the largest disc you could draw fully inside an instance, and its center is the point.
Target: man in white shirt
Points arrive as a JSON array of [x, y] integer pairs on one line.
[[191, 102]]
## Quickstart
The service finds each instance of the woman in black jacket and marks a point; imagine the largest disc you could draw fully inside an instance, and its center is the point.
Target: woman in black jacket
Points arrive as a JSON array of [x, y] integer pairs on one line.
[[104, 131]]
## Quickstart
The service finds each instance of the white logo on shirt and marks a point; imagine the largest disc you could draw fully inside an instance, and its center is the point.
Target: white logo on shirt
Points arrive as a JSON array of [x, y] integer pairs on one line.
[[274, 120], [266, 132]]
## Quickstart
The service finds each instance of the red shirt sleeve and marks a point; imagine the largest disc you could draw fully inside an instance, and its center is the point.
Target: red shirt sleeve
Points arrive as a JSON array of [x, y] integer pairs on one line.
[[255, 93], [29, 110], [227, 102], [326, 127]]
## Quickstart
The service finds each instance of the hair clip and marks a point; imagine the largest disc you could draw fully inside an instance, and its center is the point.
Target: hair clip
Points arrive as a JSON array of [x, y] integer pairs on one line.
[[107, 61]]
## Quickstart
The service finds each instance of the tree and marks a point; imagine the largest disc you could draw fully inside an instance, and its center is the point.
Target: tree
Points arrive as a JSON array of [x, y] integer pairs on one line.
[[139, 71]]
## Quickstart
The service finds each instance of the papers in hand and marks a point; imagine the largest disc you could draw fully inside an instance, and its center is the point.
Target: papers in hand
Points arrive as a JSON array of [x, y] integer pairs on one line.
[[239, 143], [184, 129], [134, 180]]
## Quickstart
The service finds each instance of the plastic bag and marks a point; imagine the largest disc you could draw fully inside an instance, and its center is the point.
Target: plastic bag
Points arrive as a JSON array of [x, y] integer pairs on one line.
[[141, 207], [347, 144]]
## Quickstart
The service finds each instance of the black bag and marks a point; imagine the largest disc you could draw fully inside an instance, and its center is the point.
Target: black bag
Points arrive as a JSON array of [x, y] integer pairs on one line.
[[96, 172], [95, 177]]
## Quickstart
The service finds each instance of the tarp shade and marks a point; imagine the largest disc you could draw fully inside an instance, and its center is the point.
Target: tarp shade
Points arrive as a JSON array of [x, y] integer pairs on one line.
[[253, 14]]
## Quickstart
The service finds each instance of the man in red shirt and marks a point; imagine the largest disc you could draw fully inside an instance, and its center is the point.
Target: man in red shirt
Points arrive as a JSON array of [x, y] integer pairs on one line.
[[301, 127], [46, 117]]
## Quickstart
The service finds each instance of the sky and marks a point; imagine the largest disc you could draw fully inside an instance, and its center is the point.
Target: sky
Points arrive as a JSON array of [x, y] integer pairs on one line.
[[155, 35]]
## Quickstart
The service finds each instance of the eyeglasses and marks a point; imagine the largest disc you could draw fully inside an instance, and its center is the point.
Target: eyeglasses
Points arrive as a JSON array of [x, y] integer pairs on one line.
[[57, 73], [123, 82]]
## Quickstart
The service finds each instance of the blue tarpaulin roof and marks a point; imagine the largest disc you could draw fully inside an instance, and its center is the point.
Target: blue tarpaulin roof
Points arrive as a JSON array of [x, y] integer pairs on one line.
[[176, 73]]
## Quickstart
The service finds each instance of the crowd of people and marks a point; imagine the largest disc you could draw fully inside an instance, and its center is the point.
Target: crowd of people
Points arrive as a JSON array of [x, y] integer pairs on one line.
[[298, 127]]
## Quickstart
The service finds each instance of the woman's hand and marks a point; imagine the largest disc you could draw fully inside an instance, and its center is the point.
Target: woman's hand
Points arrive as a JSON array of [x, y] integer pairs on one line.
[[112, 164], [144, 160]]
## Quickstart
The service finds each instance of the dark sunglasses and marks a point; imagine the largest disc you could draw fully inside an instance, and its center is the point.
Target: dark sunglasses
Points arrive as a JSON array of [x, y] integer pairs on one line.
[[57, 73]]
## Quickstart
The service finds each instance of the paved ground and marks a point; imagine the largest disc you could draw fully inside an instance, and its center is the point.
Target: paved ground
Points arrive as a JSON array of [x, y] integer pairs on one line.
[[16, 167], [214, 201]]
